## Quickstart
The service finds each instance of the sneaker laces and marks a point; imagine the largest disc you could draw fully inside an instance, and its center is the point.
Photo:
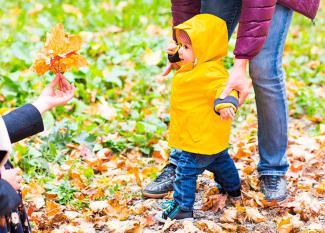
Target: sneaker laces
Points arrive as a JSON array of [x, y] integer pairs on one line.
[[272, 182], [170, 207], [166, 172], [165, 204]]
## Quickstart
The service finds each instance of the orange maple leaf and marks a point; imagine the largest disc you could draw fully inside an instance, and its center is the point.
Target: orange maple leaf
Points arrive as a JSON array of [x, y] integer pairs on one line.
[[60, 53]]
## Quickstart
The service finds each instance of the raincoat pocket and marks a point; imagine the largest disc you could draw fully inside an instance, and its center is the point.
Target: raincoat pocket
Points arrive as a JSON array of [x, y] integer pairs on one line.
[[193, 127]]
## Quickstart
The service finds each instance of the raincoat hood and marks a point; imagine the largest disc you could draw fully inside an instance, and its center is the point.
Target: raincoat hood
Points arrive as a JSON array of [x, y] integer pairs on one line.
[[209, 36]]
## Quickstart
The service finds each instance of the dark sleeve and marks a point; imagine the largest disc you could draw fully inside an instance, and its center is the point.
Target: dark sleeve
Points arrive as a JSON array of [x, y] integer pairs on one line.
[[183, 10], [23, 122], [9, 198], [254, 24]]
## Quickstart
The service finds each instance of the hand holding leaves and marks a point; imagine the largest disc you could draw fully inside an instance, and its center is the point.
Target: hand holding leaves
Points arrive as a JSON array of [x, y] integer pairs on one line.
[[58, 92]]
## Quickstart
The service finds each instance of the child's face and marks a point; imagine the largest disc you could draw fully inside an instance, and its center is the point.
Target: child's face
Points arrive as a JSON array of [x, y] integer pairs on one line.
[[186, 53]]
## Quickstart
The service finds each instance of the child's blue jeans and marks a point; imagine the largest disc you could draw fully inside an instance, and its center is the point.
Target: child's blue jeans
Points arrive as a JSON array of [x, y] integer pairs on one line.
[[190, 165]]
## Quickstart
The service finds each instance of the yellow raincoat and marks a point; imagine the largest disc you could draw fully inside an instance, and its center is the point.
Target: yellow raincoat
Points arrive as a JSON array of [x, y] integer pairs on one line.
[[194, 125]]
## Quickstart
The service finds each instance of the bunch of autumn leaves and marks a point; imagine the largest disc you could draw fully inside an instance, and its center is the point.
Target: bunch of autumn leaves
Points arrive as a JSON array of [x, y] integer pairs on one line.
[[59, 54]]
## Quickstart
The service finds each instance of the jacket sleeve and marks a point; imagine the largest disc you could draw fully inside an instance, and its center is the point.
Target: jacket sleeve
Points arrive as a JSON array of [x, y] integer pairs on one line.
[[230, 101], [9, 198], [254, 23], [183, 10], [23, 122]]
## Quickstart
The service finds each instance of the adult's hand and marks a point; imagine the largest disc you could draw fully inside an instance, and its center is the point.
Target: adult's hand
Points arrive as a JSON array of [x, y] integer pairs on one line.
[[238, 81], [13, 177], [55, 94]]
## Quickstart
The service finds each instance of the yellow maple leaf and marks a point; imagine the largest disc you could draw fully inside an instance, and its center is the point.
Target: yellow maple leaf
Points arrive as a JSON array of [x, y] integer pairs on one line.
[[60, 53], [52, 208]]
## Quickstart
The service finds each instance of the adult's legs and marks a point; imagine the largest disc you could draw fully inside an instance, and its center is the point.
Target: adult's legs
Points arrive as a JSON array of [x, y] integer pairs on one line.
[[228, 10], [272, 109], [271, 101]]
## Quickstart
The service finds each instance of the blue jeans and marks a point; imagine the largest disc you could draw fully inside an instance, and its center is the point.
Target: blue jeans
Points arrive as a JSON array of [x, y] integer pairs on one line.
[[267, 75], [190, 165]]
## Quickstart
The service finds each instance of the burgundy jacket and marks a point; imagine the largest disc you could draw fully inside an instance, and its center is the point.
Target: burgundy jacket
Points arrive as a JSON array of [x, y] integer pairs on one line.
[[254, 22]]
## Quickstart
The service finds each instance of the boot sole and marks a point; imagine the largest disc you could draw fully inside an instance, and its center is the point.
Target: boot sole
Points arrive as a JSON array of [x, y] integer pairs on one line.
[[154, 195], [162, 220], [279, 201]]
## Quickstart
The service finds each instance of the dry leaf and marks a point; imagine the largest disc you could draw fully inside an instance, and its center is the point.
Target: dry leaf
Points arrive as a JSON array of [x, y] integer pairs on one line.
[[249, 170], [229, 215], [316, 227], [103, 109], [148, 221], [138, 209], [289, 223], [72, 214], [320, 189], [168, 224], [38, 201], [135, 172], [229, 226], [148, 171], [189, 227], [98, 205], [209, 226], [254, 215], [214, 201], [118, 208], [52, 209], [159, 157], [117, 226]]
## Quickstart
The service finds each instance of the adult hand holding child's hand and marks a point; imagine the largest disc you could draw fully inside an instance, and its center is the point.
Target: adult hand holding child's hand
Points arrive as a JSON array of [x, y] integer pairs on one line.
[[238, 81], [227, 113]]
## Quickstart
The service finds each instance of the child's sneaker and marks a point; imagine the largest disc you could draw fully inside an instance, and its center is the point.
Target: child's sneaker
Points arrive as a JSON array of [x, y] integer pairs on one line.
[[174, 211], [165, 204], [234, 194]]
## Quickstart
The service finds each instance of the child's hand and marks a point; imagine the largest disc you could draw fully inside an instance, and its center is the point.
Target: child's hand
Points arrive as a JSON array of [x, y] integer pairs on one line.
[[51, 98], [227, 113], [13, 177], [170, 50]]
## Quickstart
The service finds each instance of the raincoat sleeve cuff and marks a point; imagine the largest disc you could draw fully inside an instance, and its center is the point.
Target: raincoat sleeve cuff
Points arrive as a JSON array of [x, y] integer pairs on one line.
[[228, 102]]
